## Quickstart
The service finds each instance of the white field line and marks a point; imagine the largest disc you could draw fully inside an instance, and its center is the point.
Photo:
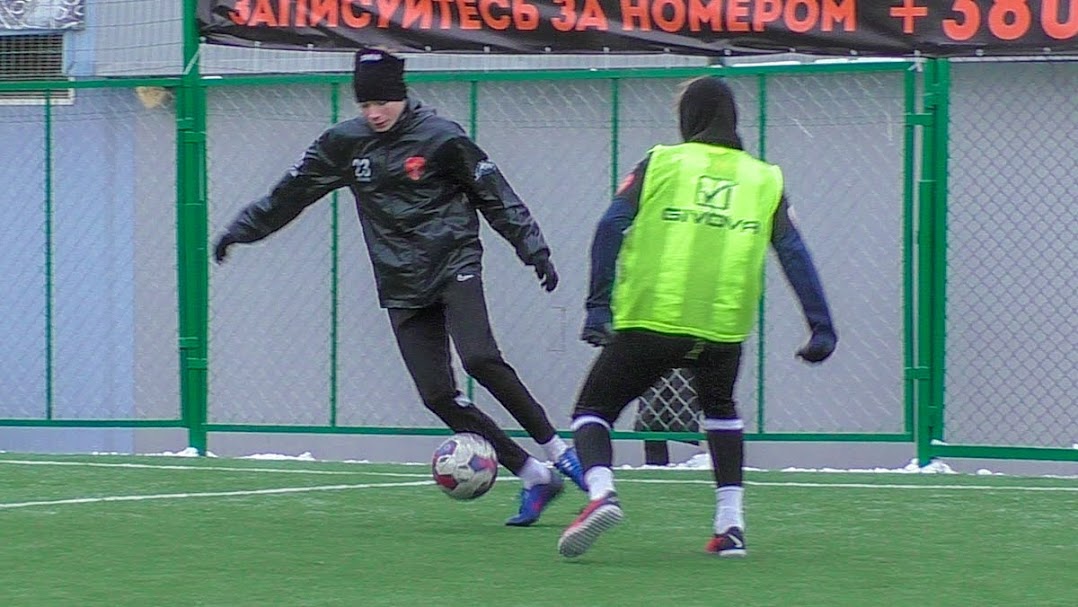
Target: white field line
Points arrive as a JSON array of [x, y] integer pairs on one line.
[[214, 468], [859, 485], [620, 480], [174, 496]]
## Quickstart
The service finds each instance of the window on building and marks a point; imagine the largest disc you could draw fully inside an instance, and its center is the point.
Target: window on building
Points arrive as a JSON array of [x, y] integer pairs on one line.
[[32, 57]]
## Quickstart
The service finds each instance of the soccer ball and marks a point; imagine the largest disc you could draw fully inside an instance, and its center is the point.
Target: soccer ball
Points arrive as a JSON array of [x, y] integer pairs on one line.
[[465, 466]]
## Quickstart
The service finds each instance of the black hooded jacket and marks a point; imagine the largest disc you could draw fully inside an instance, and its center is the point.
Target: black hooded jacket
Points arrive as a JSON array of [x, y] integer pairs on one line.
[[417, 189]]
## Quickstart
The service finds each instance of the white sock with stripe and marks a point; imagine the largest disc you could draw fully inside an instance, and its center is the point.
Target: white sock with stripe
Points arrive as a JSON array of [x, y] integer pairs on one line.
[[728, 508]]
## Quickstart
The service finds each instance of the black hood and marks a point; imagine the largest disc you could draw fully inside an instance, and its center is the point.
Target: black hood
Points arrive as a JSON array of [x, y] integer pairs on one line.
[[707, 113]]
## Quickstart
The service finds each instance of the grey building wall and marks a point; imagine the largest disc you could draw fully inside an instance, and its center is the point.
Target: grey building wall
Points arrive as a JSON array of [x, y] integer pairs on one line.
[[22, 296], [1012, 298], [92, 284]]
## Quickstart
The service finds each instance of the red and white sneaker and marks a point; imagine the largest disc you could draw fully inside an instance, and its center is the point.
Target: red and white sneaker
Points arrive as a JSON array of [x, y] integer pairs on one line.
[[598, 516], [728, 543]]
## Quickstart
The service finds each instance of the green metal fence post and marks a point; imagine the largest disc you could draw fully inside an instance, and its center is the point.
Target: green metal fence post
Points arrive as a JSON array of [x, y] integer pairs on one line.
[[49, 353], [473, 132], [909, 316], [761, 349], [931, 259], [335, 273], [940, 152], [615, 134], [192, 235], [922, 372]]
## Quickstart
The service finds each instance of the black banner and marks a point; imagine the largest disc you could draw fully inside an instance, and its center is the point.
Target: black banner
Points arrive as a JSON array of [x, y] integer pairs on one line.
[[936, 28]]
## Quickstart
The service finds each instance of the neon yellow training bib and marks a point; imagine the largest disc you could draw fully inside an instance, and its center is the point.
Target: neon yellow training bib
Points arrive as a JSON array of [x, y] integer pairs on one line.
[[692, 262]]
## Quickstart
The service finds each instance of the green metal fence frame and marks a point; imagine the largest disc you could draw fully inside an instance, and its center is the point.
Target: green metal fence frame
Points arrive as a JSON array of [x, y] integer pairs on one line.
[[48, 87], [192, 220], [926, 96], [474, 79]]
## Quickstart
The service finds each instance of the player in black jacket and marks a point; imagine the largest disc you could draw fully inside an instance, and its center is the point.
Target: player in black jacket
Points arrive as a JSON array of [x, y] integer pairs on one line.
[[418, 181]]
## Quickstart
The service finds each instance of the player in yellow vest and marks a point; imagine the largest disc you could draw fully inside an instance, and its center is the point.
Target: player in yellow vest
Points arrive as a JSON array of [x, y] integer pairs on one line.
[[687, 232]]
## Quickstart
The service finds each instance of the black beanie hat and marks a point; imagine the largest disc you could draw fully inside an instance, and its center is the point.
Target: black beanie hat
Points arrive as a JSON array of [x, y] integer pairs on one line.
[[378, 76], [707, 113]]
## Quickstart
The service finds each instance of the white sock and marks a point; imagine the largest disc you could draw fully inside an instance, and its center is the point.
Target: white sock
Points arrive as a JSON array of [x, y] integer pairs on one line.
[[600, 481], [534, 473], [728, 509], [554, 448]]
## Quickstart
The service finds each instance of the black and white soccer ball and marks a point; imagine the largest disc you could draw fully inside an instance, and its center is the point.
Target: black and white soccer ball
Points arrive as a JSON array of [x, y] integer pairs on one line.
[[465, 466]]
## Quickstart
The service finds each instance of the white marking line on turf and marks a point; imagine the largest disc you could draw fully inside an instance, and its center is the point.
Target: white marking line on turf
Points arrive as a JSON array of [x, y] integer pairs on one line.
[[213, 468], [620, 480], [855, 485], [174, 496]]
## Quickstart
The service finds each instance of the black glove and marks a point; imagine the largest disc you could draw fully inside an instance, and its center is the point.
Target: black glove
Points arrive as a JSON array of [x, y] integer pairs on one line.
[[220, 246], [544, 269], [597, 327], [819, 347]]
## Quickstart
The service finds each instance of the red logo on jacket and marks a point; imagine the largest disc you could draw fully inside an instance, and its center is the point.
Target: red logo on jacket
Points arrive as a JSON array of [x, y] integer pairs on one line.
[[414, 166]]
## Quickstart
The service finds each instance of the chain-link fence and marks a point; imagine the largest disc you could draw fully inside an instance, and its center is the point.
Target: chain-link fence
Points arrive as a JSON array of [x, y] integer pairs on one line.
[[1012, 301], [88, 307], [297, 337], [99, 286]]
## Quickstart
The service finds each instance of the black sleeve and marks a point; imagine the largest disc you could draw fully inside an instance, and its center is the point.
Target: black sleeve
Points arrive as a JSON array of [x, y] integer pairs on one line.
[[319, 172], [491, 194], [800, 270]]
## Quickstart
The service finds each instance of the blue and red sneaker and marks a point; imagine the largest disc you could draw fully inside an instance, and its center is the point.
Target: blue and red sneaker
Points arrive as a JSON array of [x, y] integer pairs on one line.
[[534, 500], [598, 516], [728, 543], [569, 465]]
